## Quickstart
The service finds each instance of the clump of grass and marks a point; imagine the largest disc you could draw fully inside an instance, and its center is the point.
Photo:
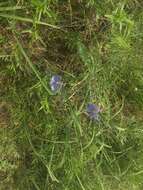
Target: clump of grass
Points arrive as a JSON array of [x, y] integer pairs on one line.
[[9, 159], [95, 48]]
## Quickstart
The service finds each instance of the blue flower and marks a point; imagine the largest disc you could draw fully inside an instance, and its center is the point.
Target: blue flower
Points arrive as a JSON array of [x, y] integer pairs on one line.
[[56, 83], [93, 111]]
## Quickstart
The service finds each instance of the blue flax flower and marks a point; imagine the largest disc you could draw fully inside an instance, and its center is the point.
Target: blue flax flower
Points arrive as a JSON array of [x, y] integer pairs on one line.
[[93, 111], [56, 83]]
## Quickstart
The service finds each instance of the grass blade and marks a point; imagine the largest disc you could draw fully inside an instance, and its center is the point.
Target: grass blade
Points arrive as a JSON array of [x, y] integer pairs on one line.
[[14, 17], [32, 67]]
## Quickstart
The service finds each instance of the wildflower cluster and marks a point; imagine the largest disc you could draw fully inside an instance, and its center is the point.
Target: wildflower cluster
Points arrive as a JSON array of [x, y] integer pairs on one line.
[[92, 110]]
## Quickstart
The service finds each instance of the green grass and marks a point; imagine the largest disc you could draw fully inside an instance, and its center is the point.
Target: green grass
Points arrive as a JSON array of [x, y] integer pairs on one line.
[[47, 140]]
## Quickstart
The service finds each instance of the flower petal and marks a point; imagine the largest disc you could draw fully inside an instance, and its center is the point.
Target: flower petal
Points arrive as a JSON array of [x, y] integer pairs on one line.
[[55, 83]]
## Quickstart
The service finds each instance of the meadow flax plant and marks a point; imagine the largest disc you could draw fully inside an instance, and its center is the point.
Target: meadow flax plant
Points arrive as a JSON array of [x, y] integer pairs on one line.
[[98, 47]]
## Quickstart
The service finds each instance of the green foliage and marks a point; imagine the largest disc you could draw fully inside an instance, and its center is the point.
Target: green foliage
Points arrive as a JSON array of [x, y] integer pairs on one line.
[[96, 46], [9, 160]]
